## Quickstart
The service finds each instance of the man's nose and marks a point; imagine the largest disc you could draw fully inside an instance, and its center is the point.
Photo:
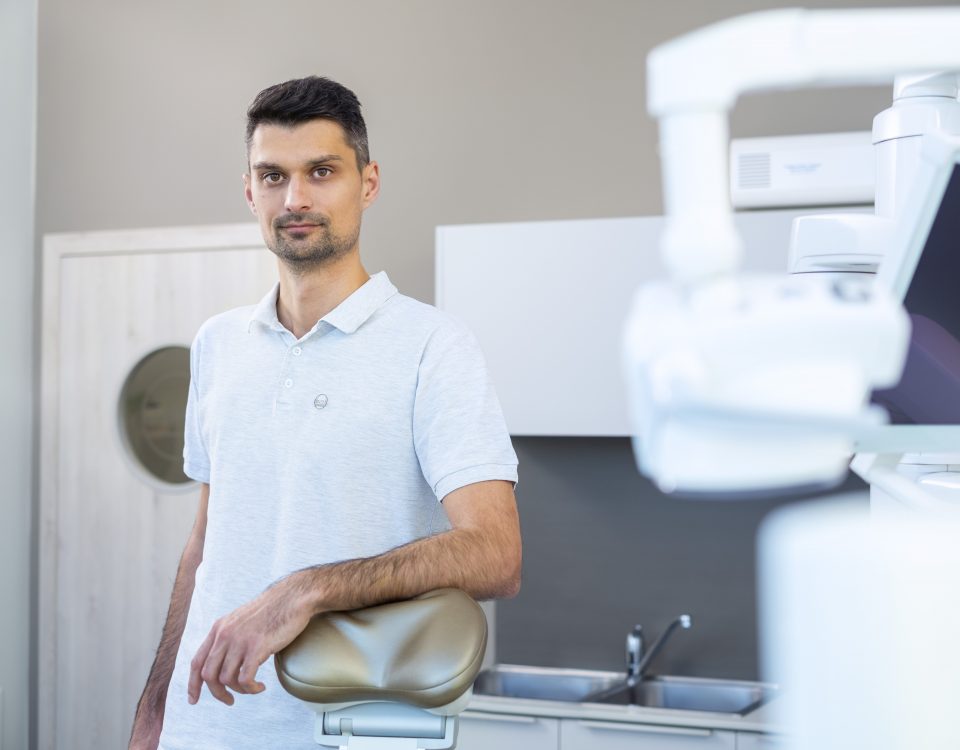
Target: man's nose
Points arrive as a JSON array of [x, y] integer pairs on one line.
[[298, 196]]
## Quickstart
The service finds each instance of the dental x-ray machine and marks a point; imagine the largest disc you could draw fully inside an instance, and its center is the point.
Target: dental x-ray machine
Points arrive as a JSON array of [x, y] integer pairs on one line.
[[746, 385], [743, 384]]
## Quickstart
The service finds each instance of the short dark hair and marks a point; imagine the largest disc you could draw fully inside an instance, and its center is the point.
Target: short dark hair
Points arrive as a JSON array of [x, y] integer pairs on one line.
[[314, 97]]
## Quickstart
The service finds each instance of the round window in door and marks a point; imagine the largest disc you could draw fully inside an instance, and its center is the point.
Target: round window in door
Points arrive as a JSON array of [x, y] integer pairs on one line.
[[151, 409]]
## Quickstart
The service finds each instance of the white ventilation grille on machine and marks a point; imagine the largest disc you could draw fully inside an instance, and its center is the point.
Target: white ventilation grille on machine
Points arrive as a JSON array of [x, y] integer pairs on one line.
[[753, 171]]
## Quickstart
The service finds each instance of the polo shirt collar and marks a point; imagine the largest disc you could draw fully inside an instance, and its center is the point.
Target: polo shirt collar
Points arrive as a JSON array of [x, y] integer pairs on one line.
[[356, 309], [348, 316], [266, 310]]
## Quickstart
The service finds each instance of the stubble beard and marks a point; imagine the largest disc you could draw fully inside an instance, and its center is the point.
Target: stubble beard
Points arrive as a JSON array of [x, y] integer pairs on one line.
[[322, 248]]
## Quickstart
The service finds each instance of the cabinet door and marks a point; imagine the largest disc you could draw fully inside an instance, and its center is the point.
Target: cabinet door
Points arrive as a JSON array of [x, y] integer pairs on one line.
[[483, 731], [111, 534], [589, 735], [752, 741]]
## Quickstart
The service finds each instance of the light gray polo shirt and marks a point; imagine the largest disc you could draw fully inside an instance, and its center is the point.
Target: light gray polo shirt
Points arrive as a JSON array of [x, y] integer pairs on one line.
[[334, 446]]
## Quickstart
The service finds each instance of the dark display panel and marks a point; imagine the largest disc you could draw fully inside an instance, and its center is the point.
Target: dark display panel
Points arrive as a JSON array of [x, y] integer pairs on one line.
[[929, 390]]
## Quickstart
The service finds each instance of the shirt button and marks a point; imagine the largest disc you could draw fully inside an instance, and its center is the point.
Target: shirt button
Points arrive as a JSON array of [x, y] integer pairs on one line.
[[296, 351], [288, 383]]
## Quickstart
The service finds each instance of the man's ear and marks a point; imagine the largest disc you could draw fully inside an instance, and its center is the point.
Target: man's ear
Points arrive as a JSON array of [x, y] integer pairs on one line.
[[248, 194], [370, 179]]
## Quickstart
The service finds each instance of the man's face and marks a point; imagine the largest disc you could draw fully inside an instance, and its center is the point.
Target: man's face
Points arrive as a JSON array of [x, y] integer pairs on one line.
[[307, 192]]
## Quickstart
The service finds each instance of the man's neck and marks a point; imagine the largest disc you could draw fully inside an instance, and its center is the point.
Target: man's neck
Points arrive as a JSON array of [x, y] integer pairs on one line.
[[305, 298]]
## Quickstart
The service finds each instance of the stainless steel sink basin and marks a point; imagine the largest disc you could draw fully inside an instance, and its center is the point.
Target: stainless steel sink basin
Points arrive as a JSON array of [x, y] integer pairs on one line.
[[544, 683], [611, 688], [688, 694]]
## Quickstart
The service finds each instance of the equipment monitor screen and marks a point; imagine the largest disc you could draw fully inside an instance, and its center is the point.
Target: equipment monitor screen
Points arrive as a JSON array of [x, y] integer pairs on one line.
[[929, 390]]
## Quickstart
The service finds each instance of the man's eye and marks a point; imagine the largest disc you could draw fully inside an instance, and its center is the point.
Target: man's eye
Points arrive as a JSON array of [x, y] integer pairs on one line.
[[323, 171], [272, 177]]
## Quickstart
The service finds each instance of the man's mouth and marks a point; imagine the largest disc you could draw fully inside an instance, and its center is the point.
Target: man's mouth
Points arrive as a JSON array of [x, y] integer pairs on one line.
[[301, 223], [299, 228]]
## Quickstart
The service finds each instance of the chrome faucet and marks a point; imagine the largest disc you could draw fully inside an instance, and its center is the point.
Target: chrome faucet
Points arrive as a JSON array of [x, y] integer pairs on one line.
[[637, 659]]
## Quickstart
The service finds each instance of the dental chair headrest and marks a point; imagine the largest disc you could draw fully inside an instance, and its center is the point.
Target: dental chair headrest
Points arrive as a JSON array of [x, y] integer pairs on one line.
[[424, 652]]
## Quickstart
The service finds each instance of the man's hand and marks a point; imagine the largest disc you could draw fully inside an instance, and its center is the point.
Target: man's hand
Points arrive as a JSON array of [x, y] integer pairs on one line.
[[244, 639]]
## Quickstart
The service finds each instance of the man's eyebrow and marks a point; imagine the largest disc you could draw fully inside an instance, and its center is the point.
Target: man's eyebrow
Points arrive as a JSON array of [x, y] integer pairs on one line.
[[261, 166], [326, 157]]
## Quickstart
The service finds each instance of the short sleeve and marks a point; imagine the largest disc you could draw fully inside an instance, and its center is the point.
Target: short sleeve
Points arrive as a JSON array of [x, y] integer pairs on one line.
[[459, 431], [196, 460]]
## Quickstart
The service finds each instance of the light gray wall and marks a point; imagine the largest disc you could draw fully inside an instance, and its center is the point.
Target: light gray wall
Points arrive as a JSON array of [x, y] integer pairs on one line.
[[18, 53], [478, 111]]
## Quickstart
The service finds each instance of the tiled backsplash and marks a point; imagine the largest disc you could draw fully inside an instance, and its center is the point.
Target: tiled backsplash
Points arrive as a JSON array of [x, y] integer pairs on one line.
[[604, 549]]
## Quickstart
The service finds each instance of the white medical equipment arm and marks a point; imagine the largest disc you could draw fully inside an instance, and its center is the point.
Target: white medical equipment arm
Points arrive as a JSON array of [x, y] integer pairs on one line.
[[693, 82], [751, 384]]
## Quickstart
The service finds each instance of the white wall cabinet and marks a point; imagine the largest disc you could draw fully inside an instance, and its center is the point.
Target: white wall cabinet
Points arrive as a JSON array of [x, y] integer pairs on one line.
[[548, 300], [487, 731], [578, 734]]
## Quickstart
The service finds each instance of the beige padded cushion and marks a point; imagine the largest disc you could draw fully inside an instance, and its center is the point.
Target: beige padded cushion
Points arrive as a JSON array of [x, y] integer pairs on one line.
[[424, 651]]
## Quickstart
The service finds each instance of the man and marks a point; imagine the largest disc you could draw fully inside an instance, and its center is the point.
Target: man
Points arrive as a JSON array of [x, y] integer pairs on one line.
[[326, 425]]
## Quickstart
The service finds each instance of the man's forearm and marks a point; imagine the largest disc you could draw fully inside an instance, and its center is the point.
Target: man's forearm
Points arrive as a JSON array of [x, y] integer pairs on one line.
[[479, 555], [482, 565], [242, 640], [149, 717]]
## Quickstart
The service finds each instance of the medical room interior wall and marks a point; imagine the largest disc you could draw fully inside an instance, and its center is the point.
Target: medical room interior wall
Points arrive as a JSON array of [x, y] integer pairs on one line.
[[18, 53], [478, 112]]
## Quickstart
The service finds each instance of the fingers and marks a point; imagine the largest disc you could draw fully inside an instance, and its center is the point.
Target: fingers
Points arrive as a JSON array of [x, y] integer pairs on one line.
[[196, 665], [224, 660], [206, 668], [210, 674], [239, 670], [230, 667], [248, 674]]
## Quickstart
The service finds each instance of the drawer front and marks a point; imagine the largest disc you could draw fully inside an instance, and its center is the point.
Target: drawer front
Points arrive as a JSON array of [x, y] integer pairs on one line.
[[751, 741], [589, 735], [483, 731]]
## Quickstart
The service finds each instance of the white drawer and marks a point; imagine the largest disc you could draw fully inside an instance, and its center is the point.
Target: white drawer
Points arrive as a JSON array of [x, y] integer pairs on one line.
[[484, 731], [578, 734]]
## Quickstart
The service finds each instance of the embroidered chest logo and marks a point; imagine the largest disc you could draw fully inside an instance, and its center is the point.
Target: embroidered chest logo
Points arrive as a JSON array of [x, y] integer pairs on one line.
[[320, 401]]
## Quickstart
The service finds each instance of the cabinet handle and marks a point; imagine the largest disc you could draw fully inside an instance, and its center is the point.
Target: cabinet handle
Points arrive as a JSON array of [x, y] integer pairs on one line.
[[771, 739], [646, 728], [513, 718]]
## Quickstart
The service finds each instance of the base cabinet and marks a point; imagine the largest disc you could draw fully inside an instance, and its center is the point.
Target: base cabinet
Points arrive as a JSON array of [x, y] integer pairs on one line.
[[483, 731], [577, 734], [751, 741], [480, 730]]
